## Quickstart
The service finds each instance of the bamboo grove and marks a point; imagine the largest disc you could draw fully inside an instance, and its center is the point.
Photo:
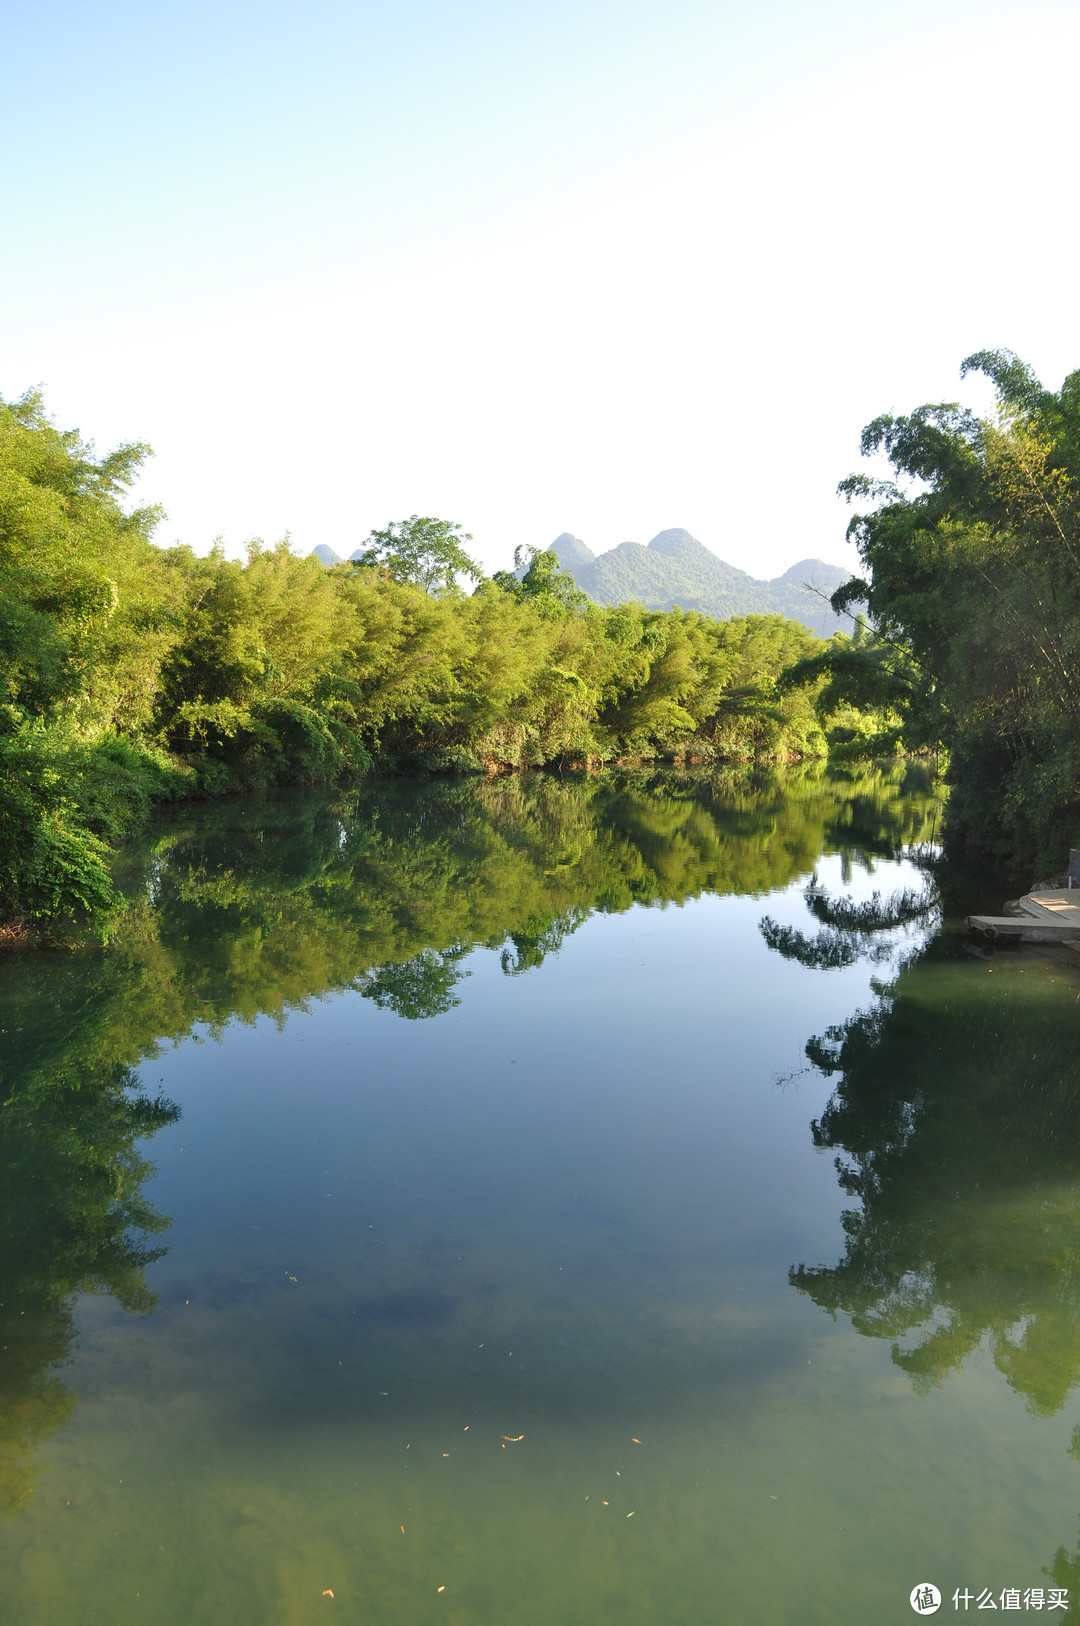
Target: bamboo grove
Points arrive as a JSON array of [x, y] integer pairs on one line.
[[132, 673], [971, 552]]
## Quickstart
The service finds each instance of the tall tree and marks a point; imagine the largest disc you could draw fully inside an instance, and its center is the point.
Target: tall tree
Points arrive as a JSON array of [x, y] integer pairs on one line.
[[538, 576], [971, 556], [423, 550]]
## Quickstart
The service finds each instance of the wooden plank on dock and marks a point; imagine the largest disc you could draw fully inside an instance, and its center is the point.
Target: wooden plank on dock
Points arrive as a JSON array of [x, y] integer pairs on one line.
[[1031, 930], [1014, 948], [1052, 906]]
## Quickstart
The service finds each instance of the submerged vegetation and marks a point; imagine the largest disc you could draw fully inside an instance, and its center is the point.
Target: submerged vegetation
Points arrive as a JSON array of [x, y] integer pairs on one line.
[[132, 674]]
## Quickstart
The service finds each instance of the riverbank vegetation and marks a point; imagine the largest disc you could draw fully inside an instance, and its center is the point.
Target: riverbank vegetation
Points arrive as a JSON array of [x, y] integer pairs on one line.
[[972, 595], [133, 674]]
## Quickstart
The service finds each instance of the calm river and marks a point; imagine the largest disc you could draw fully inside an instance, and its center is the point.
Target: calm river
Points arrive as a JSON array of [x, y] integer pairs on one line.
[[539, 1203]]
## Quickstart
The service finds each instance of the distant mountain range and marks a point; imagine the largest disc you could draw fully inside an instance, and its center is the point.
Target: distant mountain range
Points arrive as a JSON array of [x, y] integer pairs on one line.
[[676, 569], [327, 556]]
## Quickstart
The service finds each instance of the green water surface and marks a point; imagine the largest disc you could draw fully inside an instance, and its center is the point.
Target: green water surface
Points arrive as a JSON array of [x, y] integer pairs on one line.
[[527, 1204]]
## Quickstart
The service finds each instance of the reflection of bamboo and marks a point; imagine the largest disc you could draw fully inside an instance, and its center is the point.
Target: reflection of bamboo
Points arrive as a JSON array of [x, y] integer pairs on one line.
[[958, 1126], [565, 863]]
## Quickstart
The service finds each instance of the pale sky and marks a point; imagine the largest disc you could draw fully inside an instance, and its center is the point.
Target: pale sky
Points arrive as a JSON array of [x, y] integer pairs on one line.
[[598, 267]]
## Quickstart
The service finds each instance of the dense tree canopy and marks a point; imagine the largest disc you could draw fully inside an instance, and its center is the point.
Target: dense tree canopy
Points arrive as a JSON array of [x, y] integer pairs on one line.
[[538, 577], [424, 550], [129, 672], [971, 557]]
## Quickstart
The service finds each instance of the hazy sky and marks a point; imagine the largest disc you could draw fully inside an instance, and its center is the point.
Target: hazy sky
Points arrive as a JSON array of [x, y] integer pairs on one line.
[[592, 266]]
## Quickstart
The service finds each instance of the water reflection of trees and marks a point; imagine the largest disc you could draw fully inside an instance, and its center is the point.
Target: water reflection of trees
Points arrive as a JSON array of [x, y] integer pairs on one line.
[[957, 1116], [72, 1220], [851, 931], [956, 1119], [420, 987], [241, 909], [956, 1123], [253, 908]]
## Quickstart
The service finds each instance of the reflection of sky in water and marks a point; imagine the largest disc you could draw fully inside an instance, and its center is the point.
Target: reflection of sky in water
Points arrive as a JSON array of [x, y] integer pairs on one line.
[[565, 1209]]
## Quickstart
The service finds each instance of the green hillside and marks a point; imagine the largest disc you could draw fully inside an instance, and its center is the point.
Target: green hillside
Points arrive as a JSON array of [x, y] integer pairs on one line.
[[676, 569]]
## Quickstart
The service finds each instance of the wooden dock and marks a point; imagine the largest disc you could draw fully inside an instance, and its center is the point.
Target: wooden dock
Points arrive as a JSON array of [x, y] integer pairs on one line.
[[1040, 917], [1048, 914], [1063, 906]]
